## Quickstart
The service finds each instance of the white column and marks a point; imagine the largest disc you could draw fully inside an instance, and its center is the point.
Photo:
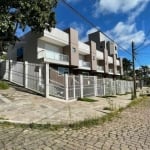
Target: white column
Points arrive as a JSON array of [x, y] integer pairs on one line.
[[74, 87], [95, 85], [81, 85], [26, 74], [46, 80], [10, 70], [66, 87]]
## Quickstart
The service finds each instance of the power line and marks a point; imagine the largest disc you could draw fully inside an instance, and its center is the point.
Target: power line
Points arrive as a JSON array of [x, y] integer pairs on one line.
[[93, 25], [143, 47], [79, 14]]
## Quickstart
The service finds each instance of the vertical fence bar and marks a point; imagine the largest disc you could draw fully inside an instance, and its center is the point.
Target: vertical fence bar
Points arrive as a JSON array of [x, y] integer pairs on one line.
[[104, 92], [66, 87], [46, 80], [10, 70], [81, 85], [40, 76], [25, 74], [74, 87], [95, 86]]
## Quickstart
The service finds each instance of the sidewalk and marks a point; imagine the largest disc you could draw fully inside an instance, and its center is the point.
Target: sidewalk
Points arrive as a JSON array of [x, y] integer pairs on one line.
[[19, 106]]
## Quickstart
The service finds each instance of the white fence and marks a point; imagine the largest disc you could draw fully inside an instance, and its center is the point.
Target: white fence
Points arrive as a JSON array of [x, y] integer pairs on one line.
[[48, 82], [70, 87], [29, 75]]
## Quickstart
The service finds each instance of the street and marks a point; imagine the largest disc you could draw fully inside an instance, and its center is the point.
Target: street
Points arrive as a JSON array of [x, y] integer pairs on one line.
[[129, 131]]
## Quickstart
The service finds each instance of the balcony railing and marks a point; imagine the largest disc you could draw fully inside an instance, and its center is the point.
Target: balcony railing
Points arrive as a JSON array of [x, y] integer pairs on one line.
[[118, 71], [83, 48], [100, 68], [41, 53], [118, 62], [56, 56], [57, 36], [84, 63], [110, 60], [111, 70]]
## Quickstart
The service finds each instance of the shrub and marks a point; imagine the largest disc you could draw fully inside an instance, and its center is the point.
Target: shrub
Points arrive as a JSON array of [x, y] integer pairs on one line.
[[3, 85], [85, 99]]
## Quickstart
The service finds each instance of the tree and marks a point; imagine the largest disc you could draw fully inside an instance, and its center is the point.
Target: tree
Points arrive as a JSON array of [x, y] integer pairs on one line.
[[145, 70], [145, 75], [37, 14], [127, 66]]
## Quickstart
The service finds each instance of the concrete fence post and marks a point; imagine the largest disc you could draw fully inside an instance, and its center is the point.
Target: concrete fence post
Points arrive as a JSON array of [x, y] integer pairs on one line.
[[95, 85], [74, 87], [66, 87], [25, 74], [46, 80], [10, 70], [81, 86]]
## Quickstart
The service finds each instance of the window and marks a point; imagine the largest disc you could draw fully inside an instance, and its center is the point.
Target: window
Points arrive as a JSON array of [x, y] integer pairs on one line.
[[20, 54], [63, 70], [74, 49], [93, 57], [85, 73]]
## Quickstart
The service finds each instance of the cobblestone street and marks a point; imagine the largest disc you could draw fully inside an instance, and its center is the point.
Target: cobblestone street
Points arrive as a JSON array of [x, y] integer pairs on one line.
[[129, 131]]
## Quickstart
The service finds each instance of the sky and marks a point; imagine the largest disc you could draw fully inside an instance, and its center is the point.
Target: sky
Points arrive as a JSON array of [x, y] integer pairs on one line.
[[122, 20]]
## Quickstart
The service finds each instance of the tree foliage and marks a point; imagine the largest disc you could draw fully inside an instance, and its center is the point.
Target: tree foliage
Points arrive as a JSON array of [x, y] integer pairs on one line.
[[127, 66], [37, 14]]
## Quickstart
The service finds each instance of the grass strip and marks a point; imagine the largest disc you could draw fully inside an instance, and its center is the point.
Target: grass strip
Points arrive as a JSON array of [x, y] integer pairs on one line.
[[87, 99]]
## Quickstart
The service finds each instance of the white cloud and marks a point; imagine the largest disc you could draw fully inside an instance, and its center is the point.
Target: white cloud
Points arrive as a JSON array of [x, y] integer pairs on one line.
[[147, 42], [135, 13], [61, 25], [114, 6], [119, 6], [82, 31], [79, 27], [92, 30], [124, 34]]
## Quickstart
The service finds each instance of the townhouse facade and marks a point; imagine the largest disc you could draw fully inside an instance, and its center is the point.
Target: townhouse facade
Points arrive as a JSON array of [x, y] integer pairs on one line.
[[68, 55]]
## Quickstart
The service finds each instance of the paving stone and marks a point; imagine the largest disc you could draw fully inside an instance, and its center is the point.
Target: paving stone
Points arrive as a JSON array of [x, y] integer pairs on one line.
[[130, 131]]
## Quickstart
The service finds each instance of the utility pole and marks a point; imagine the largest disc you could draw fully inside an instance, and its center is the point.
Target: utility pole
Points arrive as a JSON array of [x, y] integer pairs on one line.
[[133, 65]]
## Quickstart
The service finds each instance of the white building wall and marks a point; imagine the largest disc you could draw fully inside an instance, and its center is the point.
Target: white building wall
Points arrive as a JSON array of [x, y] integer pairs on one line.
[[29, 45]]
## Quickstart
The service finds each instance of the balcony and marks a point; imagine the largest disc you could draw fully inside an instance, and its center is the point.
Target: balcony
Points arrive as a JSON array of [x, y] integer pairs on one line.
[[117, 62], [84, 64], [118, 72], [83, 48], [99, 55], [110, 60], [111, 71], [41, 53], [56, 36], [100, 68], [53, 57]]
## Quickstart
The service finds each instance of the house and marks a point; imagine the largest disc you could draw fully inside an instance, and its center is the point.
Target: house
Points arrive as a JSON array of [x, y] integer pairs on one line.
[[67, 54]]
